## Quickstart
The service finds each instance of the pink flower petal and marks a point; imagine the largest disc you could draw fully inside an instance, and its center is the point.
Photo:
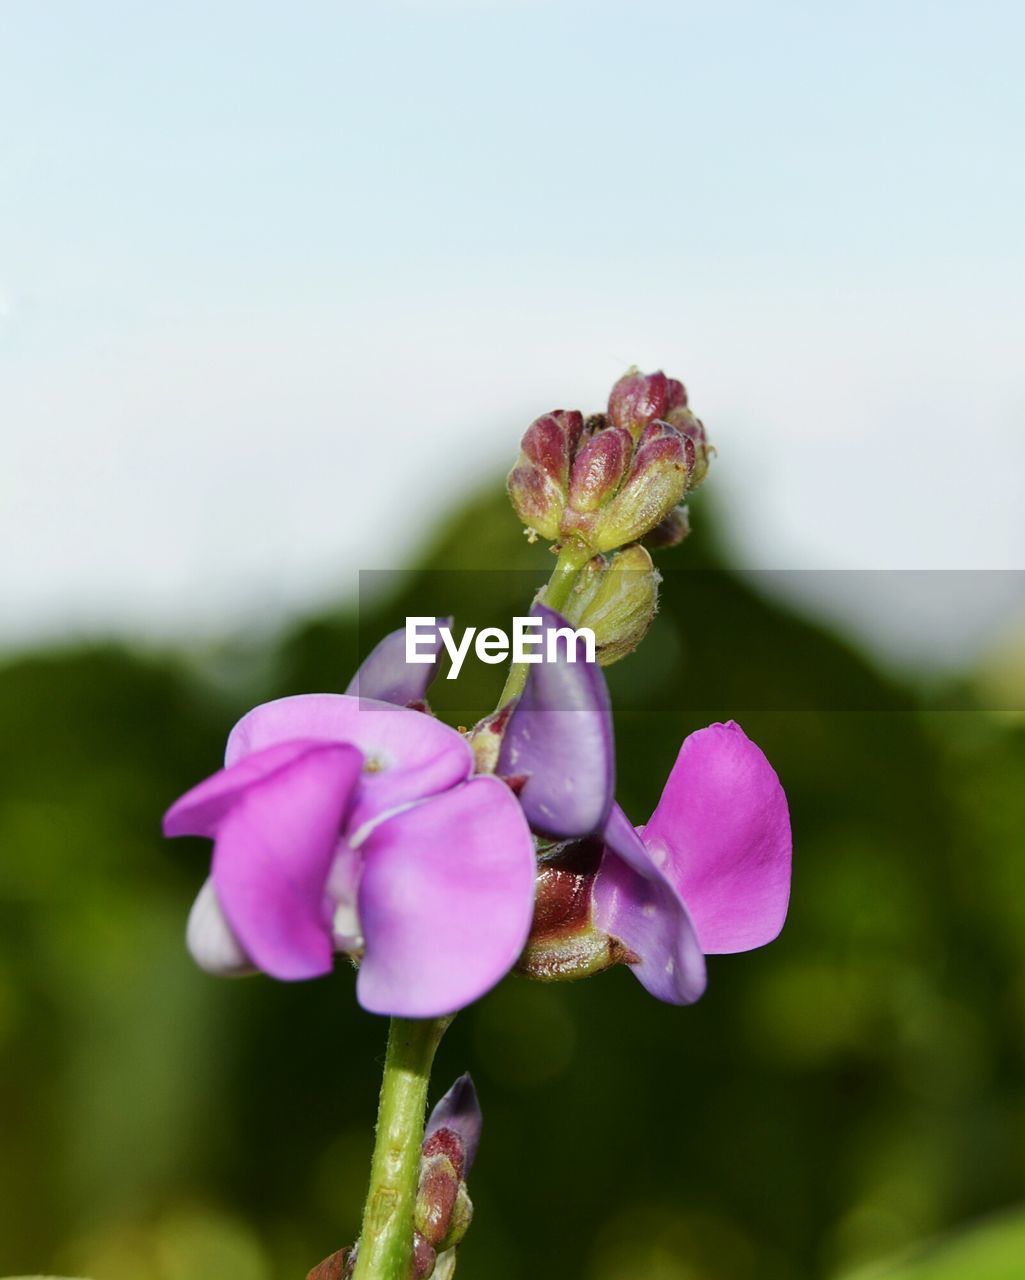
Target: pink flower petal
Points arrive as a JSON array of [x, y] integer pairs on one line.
[[408, 755], [721, 834], [634, 902], [200, 811], [272, 857], [446, 901]]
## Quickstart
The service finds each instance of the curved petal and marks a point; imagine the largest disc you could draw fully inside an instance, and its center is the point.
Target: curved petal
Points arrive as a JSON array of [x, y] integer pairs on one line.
[[407, 755], [210, 940], [635, 903], [386, 676], [722, 831], [273, 855], [445, 901], [559, 737], [200, 811]]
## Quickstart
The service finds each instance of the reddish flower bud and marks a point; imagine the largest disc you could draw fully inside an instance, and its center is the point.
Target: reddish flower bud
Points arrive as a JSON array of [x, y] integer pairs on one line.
[[637, 399], [424, 1257], [337, 1267], [538, 482], [676, 395], [699, 451], [550, 440], [656, 484], [598, 469]]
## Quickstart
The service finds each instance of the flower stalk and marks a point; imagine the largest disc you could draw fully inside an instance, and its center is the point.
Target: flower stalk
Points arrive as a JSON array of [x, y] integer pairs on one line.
[[386, 1241], [573, 555]]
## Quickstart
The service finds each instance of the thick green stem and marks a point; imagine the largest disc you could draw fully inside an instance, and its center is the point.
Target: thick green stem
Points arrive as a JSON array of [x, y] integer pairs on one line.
[[572, 558], [386, 1242]]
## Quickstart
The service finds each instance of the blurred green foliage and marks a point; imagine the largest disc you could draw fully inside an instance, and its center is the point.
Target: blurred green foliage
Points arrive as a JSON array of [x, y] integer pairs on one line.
[[852, 1089]]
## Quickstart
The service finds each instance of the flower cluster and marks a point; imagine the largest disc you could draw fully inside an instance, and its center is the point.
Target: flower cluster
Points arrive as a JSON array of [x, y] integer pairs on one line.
[[608, 480], [359, 823]]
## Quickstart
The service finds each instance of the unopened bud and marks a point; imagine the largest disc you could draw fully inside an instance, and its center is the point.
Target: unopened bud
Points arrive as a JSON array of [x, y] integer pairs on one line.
[[538, 482], [436, 1197], [655, 485], [699, 451], [670, 531], [676, 395], [617, 599], [462, 1216], [598, 468], [638, 399], [337, 1267], [424, 1257], [453, 1128]]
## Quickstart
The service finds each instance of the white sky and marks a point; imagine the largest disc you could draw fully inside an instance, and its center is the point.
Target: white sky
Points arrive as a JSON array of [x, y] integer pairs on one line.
[[277, 281]]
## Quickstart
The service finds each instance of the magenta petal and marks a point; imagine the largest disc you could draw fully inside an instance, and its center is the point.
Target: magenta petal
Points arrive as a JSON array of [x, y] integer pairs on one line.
[[446, 901], [200, 811], [635, 903], [559, 738], [407, 755], [386, 676], [723, 830], [272, 858]]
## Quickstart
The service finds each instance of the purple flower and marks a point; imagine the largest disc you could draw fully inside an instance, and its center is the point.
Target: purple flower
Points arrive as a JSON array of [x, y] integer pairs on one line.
[[348, 824], [710, 871]]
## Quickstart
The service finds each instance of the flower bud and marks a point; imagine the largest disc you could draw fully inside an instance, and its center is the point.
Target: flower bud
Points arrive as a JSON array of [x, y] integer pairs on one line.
[[453, 1128], [676, 395], [670, 531], [462, 1216], [638, 399], [695, 437], [337, 1267], [617, 599], [424, 1257], [436, 1197], [598, 468], [537, 484], [655, 484]]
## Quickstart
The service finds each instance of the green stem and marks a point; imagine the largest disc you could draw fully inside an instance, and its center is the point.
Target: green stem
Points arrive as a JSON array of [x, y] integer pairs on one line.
[[572, 558], [386, 1241]]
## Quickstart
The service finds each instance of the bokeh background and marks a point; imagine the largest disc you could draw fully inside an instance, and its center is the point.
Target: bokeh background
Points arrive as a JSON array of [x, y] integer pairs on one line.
[[279, 289]]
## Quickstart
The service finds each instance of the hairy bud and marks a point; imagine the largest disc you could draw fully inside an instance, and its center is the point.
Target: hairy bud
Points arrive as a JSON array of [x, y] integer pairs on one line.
[[337, 1267], [598, 469], [656, 483], [617, 599], [638, 399], [538, 483], [604, 482], [699, 451]]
